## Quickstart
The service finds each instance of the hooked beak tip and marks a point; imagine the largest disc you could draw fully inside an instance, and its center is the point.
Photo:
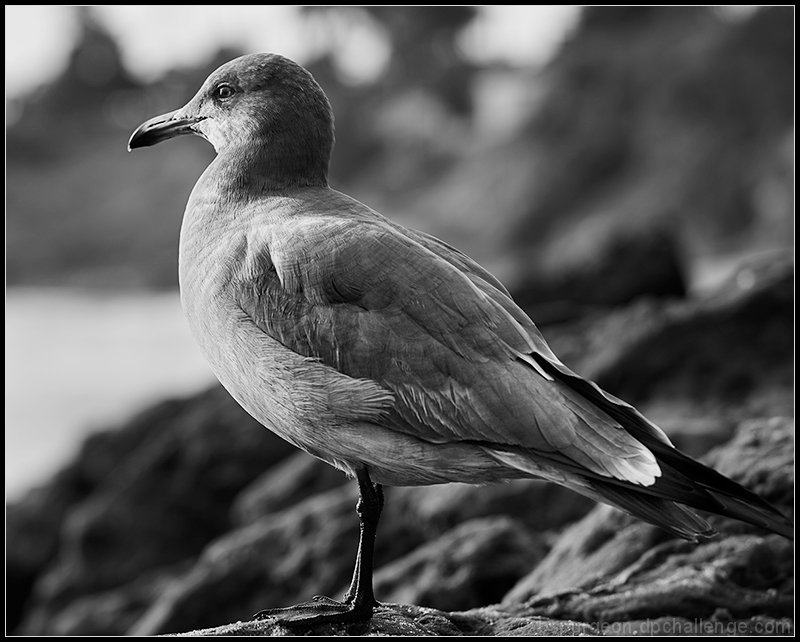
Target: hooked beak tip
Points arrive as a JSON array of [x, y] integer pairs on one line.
[[162, 128]]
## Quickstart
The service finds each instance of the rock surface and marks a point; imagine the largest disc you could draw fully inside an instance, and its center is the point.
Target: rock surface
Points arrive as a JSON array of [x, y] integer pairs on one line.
[[611, 567], [474, 564], [609, 272], [138, 501], [397, 619], [192, 515]]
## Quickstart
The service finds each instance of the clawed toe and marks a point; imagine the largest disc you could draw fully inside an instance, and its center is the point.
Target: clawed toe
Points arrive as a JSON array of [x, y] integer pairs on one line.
[[318, 610]]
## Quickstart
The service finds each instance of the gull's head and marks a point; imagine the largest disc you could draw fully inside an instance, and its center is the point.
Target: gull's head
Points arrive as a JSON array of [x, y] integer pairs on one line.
[[258, 103]]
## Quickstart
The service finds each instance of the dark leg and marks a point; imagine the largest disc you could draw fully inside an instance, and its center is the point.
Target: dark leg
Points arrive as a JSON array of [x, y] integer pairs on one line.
[[359, 599], [369, 507]]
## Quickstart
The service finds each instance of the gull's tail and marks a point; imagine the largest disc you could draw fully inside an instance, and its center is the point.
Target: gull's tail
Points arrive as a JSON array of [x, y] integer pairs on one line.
[[686, 482], [683, 481]]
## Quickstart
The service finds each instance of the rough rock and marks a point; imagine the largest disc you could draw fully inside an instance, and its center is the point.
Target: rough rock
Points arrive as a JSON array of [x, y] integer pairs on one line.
[[155, 492], [470, 566], [193, 515], [287, 483], [32, 538], [109, 612], [280, 560], [536, 504], [696, 367], [610, 567], [719, 624], [398, 619], [309, 549], [726, 346], [612, 270]]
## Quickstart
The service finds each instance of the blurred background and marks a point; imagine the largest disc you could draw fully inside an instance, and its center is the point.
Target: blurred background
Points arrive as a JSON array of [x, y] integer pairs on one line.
[[588, 157], [94, 328], [534, 138]]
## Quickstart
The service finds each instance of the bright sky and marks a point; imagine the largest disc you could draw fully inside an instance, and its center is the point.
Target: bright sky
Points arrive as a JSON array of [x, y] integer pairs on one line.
[[156, 38]]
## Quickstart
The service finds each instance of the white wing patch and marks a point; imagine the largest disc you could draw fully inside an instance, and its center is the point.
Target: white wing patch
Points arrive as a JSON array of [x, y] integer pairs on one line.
[[642, 470]]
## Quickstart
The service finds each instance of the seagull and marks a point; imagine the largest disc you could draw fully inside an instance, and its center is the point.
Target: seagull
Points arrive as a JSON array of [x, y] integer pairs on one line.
[[382, 350]]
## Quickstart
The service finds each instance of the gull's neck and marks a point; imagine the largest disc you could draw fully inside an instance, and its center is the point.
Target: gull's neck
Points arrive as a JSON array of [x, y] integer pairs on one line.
[[271, 164]]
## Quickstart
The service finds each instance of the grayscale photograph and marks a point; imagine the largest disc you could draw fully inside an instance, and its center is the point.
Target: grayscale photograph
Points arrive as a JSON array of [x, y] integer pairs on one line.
[[399, 320]]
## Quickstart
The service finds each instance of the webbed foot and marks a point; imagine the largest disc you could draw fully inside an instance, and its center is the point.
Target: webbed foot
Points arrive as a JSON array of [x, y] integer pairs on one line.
[[319, 610]]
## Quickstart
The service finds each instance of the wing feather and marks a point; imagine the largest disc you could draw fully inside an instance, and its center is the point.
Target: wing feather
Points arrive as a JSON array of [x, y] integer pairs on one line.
[[376, 301]]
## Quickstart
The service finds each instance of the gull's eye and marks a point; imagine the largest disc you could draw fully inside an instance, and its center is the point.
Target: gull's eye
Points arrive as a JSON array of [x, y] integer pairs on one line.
[[223, 92]]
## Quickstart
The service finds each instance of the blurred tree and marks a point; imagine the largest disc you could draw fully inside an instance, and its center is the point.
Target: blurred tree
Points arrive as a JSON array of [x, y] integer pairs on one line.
[[424, 54], [678, 116], [396, 129], [92, 225], [387, 123], [94, 70], [626, 18], [71, 107], [424, 51]]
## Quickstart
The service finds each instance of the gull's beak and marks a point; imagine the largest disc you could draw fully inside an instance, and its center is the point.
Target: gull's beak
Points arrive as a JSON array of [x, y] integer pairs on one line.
[[163, 127]]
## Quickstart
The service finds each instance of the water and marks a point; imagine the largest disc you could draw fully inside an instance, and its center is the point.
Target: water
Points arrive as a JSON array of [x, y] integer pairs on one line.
[[77, 362]]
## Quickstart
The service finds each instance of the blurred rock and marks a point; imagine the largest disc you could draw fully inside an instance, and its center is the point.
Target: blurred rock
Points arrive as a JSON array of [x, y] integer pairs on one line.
[[193, 514], [760, 457], [32, 532], [539, 506], [470, 566], [634, 350], [309, 548], [733, 344], [287, 483], [34, 524], [599, 271], [638, 131], [279, 560], [696, 367], [645, 121], [112, 611], [610, 567], [156, 492]]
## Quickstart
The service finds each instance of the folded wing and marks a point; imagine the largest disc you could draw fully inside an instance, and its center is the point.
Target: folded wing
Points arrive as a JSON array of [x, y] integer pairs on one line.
[[378, 302]]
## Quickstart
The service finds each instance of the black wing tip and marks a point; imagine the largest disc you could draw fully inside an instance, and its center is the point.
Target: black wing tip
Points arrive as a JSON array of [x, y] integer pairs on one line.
[[722, 495], [702, 536], [673, 517], [786, 531], [698, 537], [685, 480], [780, 525]]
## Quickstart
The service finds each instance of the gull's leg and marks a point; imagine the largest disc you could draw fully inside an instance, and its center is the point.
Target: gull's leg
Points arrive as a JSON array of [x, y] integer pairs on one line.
[[369, 507], [359, 599]]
